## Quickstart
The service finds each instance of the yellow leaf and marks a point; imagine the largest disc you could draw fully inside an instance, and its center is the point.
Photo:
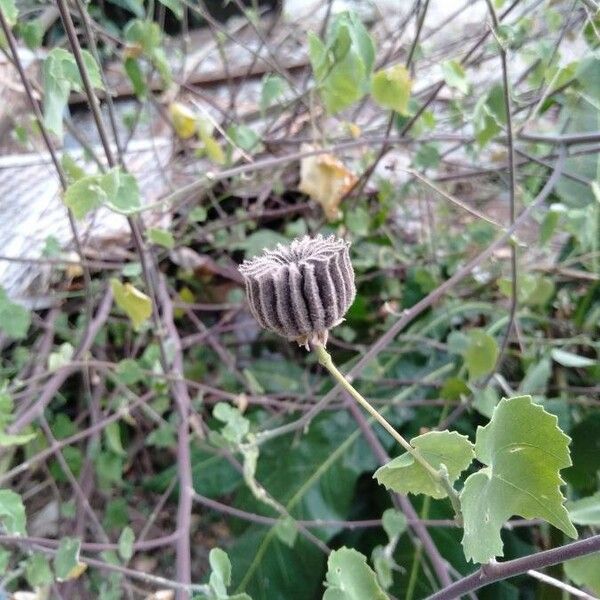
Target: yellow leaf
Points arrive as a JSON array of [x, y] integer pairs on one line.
[[326, 180], [214, 150], [132, 51], [184, 120], [212, 147], [76, 571], [185, 295], [391, 88], [134, 303]]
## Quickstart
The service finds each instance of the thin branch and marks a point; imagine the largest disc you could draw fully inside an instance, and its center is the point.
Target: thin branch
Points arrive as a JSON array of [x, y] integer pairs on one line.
[[184, 462], [561, 585], [567, 139], [512, 190], [500, 571]]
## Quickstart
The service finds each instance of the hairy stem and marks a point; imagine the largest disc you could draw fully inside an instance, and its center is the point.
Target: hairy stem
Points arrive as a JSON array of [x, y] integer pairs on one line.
[[439, 475]]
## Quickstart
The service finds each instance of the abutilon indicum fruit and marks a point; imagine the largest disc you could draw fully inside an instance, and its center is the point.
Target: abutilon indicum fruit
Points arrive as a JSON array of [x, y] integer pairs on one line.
[[301, 290]]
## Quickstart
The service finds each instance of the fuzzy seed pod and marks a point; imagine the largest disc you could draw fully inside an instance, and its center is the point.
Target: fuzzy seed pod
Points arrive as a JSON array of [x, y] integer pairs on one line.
[[302, 290]]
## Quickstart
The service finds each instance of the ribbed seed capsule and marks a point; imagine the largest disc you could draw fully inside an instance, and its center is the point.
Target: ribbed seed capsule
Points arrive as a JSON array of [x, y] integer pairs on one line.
[[302, 290]]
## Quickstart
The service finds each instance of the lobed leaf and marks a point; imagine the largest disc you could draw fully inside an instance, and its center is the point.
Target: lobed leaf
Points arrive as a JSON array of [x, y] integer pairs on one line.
[[441, 449], [350, 578], [523, 450], [585, 511]]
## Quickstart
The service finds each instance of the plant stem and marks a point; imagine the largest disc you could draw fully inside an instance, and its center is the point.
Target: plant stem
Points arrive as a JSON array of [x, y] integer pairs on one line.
[[440, 475], [500, 571], [418, 556]]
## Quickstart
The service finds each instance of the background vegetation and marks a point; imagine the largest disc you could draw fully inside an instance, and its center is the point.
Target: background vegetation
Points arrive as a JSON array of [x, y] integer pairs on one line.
[[145, 417]]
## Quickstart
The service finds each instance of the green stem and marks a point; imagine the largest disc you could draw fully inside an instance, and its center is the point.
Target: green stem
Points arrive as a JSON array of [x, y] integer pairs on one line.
[[412, 581], [441, 476]]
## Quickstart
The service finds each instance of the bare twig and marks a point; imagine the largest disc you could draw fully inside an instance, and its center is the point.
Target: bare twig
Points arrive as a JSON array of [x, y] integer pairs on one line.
[[184, 468]]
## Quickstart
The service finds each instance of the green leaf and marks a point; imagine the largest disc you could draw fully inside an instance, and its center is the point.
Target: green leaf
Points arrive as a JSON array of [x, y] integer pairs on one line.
[[585, 572], [7, 439], [406, 476], [10, 11], [585, 511], [198, 214], [85, 195], [342, 65], [350, 578], [161, 237], [523, 450], [6, 408], [427, 156], [394, 523], [112, 435], [126, 540], [220, 577], [391, 88], [236, 425], [358, 221], [14, 319], [536, 378], [550, 222], [134, 303], [454, 76], [116, 190], [245, 138], [60, 357], [163, 437], [32, 33], [37, 570], [211, 145], [287, 531], [175, 6], [122, 192], [4, 560], [12, 512], [67, 565], [495, 103], [489, 115], [534, 290], [72, 170], [384, 567], [146, 34], [129, 371], [481, 353], [60, 76], [574, 361], [273, 87], [137, 77], [145, 37]]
